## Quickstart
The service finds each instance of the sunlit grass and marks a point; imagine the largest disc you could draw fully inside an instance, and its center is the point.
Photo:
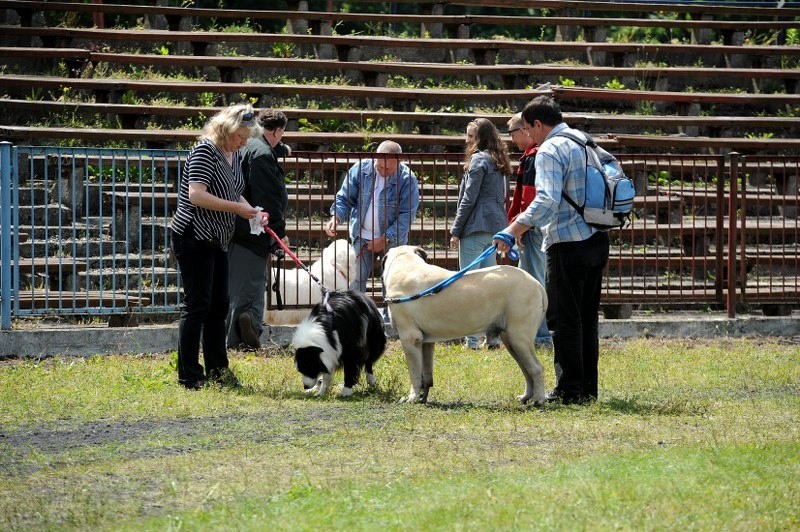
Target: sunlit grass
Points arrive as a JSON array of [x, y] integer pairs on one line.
[[113, 442]]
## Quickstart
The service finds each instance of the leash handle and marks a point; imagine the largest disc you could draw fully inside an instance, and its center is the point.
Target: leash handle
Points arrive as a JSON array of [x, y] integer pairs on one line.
[[509, 239], [276, 285]]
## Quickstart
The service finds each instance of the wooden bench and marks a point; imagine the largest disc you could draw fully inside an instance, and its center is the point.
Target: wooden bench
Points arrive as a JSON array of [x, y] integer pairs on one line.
[[265, 92], [682, 99], [704, 197], [315, 140], [620, 294], [483, 51], [112, 89], [299, 140], [693, 235], [719, 143], [577, 49], [774, 301], [375, 73], [426, 21], [620, 262], [28, 52], [644, 8], [428, 122]]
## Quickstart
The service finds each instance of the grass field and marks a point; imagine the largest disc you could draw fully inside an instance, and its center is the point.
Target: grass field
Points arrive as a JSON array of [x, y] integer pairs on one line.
[[700, 435]]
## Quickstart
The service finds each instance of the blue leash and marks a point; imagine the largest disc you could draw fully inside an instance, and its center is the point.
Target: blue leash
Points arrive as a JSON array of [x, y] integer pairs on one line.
[[438, 287]]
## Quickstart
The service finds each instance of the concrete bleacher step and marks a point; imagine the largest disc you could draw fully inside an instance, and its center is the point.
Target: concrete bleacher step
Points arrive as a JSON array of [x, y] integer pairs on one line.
[[131, 260], [121, 277], [43, 214], [78, 230], [80, 248], [69, 300]]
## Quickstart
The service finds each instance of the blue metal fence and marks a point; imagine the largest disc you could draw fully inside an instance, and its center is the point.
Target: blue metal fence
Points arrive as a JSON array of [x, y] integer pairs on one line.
[[84, 231], [5, 234]]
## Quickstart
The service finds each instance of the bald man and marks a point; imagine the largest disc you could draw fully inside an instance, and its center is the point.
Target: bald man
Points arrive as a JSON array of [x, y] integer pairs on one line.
[[379, 198]]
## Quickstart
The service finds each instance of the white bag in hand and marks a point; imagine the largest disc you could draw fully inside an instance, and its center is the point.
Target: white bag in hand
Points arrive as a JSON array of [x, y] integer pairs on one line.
[[257, 222]]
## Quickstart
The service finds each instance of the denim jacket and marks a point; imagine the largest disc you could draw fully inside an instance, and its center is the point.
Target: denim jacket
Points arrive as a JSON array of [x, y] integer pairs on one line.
[[399, 200]]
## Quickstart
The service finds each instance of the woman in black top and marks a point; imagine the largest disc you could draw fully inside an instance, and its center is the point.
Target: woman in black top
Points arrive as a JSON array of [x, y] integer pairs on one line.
[[209, 199]]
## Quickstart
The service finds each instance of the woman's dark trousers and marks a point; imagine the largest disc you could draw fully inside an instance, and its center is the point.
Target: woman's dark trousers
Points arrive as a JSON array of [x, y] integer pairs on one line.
[[204, 273]]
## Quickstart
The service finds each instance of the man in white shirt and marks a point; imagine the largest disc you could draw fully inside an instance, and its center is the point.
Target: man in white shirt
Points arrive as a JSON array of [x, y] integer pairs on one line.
[[379, 198]]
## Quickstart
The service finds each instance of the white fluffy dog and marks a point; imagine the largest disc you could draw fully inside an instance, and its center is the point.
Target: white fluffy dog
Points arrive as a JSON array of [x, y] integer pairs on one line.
[[336, 269], [500, 299]]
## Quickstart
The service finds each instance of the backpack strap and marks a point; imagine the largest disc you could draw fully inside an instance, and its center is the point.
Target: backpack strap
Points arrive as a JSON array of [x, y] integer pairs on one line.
[[584, 141]]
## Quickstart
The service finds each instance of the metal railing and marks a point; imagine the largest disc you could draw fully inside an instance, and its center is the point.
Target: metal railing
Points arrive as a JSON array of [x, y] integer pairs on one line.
[[85, 230]]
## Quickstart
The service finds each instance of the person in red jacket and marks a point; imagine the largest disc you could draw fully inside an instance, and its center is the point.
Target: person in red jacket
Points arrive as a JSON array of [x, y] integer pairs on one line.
[[531, 257]]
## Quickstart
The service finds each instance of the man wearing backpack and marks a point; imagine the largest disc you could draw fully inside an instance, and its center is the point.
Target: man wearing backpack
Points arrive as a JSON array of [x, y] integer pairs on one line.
[[576, 252]]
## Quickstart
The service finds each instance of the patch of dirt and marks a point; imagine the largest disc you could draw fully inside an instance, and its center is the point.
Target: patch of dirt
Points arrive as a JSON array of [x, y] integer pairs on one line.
[[61, 437]]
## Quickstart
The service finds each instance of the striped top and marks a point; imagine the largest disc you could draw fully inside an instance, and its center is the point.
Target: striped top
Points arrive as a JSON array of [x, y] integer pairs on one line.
[[206, 164]]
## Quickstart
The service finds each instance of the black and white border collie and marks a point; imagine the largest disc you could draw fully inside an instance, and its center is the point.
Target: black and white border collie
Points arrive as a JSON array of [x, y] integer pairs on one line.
[[345, 330]]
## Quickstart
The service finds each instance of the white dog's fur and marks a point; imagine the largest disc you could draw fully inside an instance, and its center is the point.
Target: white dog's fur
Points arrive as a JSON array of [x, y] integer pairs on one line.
[[336, 269], [311, 333], [500, 299]]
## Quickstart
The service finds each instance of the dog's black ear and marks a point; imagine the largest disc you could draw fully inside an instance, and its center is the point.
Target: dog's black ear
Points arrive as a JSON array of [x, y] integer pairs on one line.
[[421, 252]]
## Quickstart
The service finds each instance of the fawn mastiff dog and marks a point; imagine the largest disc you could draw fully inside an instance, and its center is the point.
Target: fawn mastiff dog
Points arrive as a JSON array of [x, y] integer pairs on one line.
[[502, 300]]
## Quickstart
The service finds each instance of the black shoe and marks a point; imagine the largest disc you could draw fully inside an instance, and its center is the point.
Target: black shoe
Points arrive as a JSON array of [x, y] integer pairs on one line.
[[247, 332], [554, 396], [224, 377], [194, 385]]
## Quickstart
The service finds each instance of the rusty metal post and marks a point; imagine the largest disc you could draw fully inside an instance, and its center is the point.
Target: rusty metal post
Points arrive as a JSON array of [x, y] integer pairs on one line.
[[98, 17], [732, 232]]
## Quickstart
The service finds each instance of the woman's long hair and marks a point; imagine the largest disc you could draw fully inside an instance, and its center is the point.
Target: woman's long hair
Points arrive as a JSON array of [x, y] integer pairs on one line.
[[488, 139]]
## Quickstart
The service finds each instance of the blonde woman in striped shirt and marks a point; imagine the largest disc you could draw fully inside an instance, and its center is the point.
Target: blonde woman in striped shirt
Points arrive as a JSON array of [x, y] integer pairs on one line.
[[209, 200]]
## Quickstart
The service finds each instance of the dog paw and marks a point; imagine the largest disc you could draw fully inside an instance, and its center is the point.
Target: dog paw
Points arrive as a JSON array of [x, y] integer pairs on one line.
[[528, 399], [410, 398], [346, 392], [371, 380], [524, 398]]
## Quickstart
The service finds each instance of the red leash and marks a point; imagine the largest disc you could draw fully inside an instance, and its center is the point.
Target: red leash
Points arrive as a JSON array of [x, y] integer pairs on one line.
[[297, 261]]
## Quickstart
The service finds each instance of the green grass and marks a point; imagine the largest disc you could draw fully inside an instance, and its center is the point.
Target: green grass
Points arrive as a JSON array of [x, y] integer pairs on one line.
[[686, 434]]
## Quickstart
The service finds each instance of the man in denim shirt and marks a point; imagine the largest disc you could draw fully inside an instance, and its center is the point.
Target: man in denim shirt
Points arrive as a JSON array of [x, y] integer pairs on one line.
[[380, 198], [576, 252]]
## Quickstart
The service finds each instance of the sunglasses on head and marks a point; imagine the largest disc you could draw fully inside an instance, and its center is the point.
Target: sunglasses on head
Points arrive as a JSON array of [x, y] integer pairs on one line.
[[247, 117]]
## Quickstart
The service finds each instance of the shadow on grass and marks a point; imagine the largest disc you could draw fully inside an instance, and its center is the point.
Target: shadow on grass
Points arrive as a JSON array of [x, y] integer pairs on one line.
[[464, 406], [627, 405], [667, 407]]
